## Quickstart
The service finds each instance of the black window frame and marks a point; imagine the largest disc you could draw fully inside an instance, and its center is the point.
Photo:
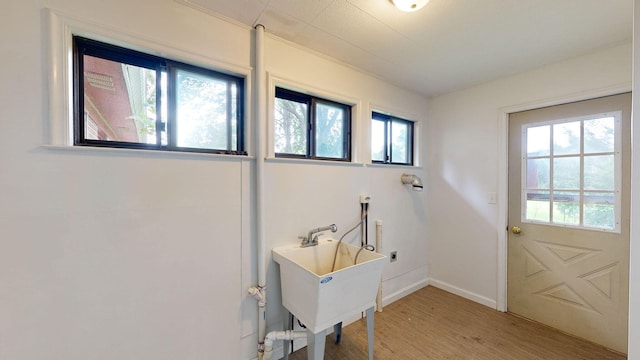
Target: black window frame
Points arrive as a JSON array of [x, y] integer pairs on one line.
[[388, 150], [85, 46], [311, 102]]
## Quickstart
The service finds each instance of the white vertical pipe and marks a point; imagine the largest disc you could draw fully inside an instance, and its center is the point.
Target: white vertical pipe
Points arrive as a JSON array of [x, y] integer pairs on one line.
[[260, 121], [379, 250]]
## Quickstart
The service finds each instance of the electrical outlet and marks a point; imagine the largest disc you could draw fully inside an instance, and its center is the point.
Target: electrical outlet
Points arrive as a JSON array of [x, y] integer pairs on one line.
[[393, 256]]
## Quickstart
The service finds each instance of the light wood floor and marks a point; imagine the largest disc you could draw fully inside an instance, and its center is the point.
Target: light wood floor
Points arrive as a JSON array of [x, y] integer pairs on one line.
[[434, 324]]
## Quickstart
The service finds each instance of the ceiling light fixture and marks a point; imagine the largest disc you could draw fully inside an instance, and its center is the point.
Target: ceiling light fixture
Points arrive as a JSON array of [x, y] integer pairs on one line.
[[410, 5]]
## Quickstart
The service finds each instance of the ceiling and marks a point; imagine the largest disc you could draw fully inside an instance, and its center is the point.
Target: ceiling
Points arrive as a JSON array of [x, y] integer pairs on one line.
[[446, 46]]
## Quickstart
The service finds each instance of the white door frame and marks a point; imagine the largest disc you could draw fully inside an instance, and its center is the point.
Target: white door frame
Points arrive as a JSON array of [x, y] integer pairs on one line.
[[503, 156]]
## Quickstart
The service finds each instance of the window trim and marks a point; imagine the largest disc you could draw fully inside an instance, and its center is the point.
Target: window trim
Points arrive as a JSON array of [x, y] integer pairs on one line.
[[62, 26], [312, 101], [388, 120], [85, 46]]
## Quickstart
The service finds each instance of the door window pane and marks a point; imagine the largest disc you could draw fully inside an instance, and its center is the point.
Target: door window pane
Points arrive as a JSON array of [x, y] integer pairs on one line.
[[538, 208], [566, 138], [566, 208], [538, 173], [566, 173], [599, 210], [539, 141], [599, 172], [599, 135]]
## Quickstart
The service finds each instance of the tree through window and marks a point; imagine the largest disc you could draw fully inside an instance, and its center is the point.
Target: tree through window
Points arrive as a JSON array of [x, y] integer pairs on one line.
[[391, 140], [309, 127]]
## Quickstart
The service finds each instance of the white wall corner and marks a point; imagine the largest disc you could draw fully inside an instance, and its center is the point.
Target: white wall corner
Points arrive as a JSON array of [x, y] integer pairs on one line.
[[399, 294]]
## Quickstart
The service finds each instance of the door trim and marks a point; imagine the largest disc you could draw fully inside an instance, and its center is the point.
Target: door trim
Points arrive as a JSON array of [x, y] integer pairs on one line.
[[503, 155]]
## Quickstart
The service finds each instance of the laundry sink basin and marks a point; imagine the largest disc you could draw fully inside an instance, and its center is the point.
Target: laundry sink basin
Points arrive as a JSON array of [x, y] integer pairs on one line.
[[320, 297]]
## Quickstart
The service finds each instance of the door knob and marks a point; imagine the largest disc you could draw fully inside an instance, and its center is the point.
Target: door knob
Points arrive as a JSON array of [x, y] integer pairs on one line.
[[516, 230]]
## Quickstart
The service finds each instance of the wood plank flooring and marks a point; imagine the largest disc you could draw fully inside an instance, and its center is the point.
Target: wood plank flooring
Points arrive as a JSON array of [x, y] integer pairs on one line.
[[434, 324]]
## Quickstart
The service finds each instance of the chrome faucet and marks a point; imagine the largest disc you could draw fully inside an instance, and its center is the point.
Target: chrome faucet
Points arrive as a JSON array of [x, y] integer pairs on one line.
[[312, 237]]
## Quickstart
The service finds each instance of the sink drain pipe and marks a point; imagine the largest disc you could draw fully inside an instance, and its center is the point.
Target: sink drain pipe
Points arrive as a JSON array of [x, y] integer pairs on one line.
[[285, 335]]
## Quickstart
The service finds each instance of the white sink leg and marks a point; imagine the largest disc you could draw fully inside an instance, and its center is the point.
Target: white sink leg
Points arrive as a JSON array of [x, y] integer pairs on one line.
[[315, 345], [288, 318], [316, 342], [337, 332], [369, 314]]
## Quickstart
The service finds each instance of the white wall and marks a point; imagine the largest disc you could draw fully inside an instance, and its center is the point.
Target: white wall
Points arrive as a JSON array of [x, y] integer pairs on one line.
[[131, 254], [464, 156], [112, 255]]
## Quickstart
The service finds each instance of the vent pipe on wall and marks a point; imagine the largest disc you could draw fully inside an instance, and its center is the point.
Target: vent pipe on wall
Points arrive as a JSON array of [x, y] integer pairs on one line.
[[413, 180], [259, 292]]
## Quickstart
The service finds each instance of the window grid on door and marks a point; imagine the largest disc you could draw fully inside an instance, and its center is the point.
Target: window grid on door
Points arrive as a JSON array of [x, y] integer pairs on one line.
[[571, 172]]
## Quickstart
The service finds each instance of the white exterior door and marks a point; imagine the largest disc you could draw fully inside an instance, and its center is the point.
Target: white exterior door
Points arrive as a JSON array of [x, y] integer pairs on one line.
[[568, 251]]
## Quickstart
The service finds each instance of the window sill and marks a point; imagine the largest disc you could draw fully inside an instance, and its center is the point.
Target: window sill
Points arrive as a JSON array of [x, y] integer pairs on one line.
[[146, 153], [288, 160], [312, 162], [394, 166]]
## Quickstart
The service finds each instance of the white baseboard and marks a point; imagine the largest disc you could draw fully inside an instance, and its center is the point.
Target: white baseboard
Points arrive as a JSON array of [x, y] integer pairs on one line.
[[464, 293], [386, 300]]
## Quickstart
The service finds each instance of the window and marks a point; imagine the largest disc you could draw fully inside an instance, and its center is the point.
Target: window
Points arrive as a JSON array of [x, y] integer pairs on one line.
[[571, 173], [391, 140], [309, 127], [124, 98]]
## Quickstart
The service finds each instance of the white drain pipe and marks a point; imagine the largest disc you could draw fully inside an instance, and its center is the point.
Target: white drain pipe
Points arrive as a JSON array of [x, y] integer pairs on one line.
[[379, 250], [280, 336], [259, 292]]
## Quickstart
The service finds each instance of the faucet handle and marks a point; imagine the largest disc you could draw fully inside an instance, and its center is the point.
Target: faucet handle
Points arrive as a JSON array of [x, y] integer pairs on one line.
[[315, 238], [305, 241]]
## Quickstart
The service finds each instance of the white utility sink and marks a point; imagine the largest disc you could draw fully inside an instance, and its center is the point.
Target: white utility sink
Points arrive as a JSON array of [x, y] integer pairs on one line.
[[319, 297]]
